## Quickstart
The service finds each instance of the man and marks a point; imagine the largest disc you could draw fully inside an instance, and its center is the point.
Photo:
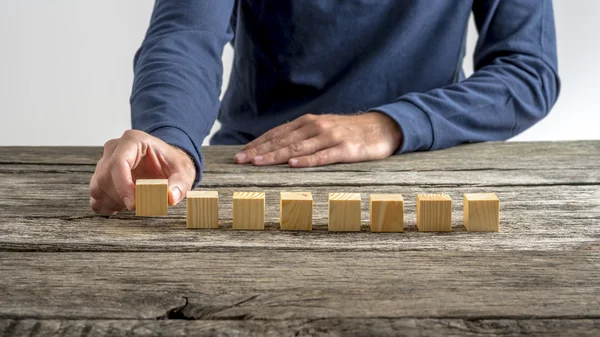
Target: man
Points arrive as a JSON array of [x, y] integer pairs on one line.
[[318, 82]]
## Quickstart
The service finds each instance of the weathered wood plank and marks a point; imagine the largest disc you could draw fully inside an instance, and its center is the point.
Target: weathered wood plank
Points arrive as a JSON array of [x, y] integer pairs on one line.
[[36, 169], [538, 275], [408, 327], [61, 186], [487, 178], [62, 177], [268, 285], [60, 155], [493, 155], [532, 218]]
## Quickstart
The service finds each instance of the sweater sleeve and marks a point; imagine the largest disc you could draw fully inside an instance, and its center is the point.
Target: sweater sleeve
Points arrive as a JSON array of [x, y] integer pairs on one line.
[[178, 72], [515, 83]]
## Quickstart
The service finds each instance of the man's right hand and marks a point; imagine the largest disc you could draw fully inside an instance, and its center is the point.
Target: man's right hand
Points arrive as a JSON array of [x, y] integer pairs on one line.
[[138, 155]]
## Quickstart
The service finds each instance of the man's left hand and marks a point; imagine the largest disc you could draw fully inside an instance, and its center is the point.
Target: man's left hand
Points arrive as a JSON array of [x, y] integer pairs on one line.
[[315, 140]]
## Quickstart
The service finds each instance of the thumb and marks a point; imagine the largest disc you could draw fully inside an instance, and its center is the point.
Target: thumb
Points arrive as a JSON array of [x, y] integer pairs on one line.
[[182, 173], [179, 184]]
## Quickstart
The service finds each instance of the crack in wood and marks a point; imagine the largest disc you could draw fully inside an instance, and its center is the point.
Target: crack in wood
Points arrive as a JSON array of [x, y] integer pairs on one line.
[[177, 312], [197, 311], [35, 329], [10, 329], [86, 330]]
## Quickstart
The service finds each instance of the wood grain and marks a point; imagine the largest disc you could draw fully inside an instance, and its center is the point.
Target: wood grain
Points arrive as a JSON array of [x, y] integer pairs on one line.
[[202, 209], [344, 213], [533, 218], [386, 213], [326, 327], [68, 271], [434, 212], [481, 212], [66, 193], [248, 210], [558, 155], [264, 285], [295, 211], [152, 197], [484, 178]]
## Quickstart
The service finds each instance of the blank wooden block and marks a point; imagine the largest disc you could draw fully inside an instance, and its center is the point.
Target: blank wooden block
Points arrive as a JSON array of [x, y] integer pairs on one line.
[[344, 212], [202, 209], [249, 210], [151, 197], [481, 212], [295, 211], [434, 213], [386, 213]]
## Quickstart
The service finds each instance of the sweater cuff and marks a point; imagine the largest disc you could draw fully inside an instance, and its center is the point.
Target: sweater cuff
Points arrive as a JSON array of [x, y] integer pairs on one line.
[[176, 137], [417, 133]]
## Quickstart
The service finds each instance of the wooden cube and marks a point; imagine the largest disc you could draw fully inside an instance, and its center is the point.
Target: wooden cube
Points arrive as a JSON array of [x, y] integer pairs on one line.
[[249, 210], [344, 212], [202, 209], [434, 213], [386, 213], [481, 212], [295, 211], [151, 197]]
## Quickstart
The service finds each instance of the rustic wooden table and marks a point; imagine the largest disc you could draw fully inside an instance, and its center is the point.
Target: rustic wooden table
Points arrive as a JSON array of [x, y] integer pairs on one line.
[[66, 271]]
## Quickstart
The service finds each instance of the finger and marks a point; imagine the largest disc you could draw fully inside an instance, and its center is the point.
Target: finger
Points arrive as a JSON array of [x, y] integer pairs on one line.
[[94, 189], [102, 188], [297, 149], [112, 204], [100, 207], [179, 184], [99, 176], [249, 151], [101, 185], [328, 156], [109, 147], [280, 142], [271, 134], [181, 171], [121, 164], [109, 201]]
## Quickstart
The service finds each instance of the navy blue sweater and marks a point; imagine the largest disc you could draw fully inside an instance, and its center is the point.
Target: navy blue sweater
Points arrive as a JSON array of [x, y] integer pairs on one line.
[[401, 58]]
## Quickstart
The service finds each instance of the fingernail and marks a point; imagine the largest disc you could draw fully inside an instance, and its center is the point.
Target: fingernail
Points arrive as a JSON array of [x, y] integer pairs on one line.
[[258, 158], [128, 203], [240, 156], [293, 161], [176, 193]]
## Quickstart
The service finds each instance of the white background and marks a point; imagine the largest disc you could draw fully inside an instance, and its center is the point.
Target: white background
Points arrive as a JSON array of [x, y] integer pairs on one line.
[[66, 70]]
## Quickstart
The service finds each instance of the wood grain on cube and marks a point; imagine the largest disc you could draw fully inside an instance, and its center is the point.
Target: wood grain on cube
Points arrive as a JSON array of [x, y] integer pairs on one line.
[[202, 209], [295, 211], [434, 213], [151, 197], [481, 212], [249, 210], [386, 212], [344, 212]]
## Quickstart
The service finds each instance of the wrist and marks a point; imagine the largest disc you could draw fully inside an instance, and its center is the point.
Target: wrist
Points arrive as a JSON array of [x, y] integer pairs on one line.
[[187, 158], [393, 131], [175, 136]]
